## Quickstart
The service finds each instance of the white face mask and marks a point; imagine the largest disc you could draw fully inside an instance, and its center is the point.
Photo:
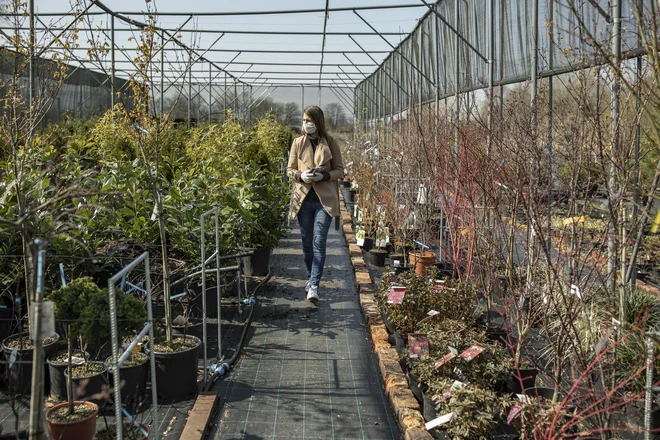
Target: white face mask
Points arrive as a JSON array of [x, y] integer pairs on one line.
[[310, 127]]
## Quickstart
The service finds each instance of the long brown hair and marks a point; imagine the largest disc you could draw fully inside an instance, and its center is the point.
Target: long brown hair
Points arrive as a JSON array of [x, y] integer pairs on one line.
[[316, 114]]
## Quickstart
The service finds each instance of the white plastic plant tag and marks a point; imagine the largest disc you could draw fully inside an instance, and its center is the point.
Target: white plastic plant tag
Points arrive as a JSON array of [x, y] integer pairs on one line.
[[47, 315], [575, 290], [154, 213], [453, 350], [422, 194], [433, 313], [397, 263], [441, 420], [523, 398], [12, 357], [616, 323], [457, 385]]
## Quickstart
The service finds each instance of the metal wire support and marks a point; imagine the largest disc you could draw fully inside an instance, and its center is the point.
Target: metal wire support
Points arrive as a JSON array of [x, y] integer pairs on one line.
[[36, 394], [204, 263], [650, 356], [118, 360]]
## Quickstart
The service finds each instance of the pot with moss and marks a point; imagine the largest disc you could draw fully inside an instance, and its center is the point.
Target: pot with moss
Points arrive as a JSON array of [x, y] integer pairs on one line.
[[18, 350], [176, 367], [134, 373]]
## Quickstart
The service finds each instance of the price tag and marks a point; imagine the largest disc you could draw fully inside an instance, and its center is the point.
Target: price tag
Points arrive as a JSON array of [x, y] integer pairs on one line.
[[418, 345], [47, 315], [395, 295], [472, 352]]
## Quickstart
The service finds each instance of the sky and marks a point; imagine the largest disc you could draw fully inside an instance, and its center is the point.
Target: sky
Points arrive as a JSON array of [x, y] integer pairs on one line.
[[302, 46]]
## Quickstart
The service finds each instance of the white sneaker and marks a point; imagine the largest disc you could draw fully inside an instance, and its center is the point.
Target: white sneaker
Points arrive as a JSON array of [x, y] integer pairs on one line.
[[313, 294], [307, 286]]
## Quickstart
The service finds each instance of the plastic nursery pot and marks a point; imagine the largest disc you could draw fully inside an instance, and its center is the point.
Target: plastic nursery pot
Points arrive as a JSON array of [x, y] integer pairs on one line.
[[421, 261], [388, 323], [257, 263], [133, 378], [400, 341], [542, 393], [56, 369], [528, 377], [378, 257], [413, 384], [131, 432], [368, 244], [428, 408], [20, 370], [90, 382], [350, 196], [83, 429], [176, 372]]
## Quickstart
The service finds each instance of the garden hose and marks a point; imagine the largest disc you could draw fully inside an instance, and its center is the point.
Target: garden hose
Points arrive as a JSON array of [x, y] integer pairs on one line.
[[219, 368]]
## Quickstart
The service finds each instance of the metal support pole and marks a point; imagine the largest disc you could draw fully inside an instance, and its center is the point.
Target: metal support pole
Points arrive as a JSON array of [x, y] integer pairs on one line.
[[210, 89], [31, 74], [457, 72], [189, 90], [217, 282], [302, 107], [162, 75], [249, 109], [650, 357], [116, 358], [551, 60], [204, 311], [112, 62], [420, 77], [224, 101], [235, 100], [37, 393], [491, 72], [611, 242]]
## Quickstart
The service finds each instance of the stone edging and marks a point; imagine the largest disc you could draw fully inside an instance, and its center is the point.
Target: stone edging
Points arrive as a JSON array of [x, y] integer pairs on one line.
[[404, 404]]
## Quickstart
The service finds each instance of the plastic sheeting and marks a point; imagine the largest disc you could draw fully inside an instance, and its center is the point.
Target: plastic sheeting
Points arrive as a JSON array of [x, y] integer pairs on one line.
[[428, 56], [83, 92]]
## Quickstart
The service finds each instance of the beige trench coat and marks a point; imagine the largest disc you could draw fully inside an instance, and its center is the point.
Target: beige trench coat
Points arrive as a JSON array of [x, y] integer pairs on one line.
[[302, 158]]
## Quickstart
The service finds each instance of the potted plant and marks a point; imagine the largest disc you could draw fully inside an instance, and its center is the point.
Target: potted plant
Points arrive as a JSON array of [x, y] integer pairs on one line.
[[176, 367], [477, 410], [422, 260], [379, 253], [57, 365], [74, 419], [18, 352]]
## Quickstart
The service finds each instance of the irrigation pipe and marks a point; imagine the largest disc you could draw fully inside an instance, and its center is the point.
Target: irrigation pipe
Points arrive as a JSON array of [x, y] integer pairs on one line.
[[220, 369]]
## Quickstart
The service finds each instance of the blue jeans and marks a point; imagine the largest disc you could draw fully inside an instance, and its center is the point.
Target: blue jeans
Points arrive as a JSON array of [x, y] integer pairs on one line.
[[314, 225]]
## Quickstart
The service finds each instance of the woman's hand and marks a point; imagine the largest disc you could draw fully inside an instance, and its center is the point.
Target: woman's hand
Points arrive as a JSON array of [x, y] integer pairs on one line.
[[309, 176]]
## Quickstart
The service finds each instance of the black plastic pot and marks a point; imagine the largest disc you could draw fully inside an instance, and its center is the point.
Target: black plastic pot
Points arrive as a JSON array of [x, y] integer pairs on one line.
[[413, 384], [134, 379], [20, 372], [350, 196], [257, 264], [401, 269], [346, 183], [528, 377], [176, 373], [228, 288], [57, 377], [378, 257], [388, 323], [543, 393], [400, 341], [7, 320], [92, 388], [368, 244], [428, 408]]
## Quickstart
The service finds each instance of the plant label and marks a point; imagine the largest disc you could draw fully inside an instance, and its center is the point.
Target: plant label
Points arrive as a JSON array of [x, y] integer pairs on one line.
[[575, 290], [12, 357], [432, 313], [440, 421], [418, 345], [422, 195], [457, 385], [446, 358], [395, 295], [513, 413], [47, 314], [523, 398], [453, 350], [458, 372], [397, 263], [472, 352]]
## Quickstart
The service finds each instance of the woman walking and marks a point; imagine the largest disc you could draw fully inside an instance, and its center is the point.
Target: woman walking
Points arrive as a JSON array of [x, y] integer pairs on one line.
[[315, 165]]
